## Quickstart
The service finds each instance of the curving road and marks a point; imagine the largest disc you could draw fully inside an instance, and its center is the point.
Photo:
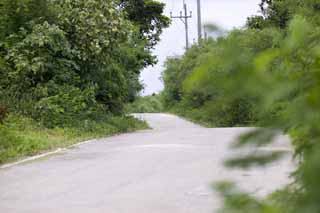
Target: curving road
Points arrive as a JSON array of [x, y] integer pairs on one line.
[[169, 169]]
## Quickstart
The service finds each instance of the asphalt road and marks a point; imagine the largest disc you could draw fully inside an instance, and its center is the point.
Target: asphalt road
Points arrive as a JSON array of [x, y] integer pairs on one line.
[[169, 169]]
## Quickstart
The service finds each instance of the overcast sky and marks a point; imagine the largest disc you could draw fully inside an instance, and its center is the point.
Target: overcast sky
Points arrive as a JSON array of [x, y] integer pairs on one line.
[[226, 13]]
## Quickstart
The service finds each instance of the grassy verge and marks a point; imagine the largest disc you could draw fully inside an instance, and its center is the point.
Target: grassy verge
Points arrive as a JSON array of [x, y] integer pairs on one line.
[[22, 137]]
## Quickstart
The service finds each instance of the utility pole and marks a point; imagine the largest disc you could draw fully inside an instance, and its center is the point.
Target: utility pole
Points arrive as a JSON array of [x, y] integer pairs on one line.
[[199, 21], [184, 18], [205, 34]]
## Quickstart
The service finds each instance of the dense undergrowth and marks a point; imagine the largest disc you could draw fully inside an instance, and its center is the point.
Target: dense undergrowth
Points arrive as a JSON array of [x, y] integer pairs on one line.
[[68, 68], [266, 74]]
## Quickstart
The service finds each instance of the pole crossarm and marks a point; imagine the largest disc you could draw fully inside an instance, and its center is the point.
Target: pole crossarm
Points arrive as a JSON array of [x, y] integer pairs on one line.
[[181, 16], [184, 18]]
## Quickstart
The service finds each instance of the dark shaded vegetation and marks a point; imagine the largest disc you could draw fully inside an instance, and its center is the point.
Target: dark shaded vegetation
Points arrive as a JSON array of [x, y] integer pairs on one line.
[[3, 113], [267, 75], [72, 65]]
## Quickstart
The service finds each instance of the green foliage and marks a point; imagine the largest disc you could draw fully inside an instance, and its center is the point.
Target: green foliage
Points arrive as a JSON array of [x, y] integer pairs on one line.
[[267, 75], [71, 66], [17, 14], [202, 80], [148, 16], [93, 50], [176, 71], [239, 202], [67, 107], [278, 13], [147, 104], [97, 29], [291, 73], [43, 59]]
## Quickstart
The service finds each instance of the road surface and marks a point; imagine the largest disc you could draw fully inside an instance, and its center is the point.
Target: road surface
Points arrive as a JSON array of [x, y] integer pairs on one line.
[[169, 169]]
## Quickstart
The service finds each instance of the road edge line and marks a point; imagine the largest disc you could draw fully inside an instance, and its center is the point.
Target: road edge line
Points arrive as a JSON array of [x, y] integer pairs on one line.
[[36, 157]]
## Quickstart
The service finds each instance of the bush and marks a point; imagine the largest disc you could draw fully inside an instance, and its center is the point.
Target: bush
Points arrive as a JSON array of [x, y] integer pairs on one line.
[[68, 107]]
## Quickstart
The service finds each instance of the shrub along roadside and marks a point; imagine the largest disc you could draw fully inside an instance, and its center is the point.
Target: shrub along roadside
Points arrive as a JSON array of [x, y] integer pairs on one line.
[[220, 115], [22, 137]]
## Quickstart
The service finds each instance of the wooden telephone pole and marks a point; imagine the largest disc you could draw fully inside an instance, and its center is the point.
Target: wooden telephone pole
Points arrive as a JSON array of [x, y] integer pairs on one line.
[[184, 18], [199, 21]]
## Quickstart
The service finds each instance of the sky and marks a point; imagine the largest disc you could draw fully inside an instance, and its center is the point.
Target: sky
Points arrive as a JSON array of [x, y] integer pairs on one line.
[[227, 14]]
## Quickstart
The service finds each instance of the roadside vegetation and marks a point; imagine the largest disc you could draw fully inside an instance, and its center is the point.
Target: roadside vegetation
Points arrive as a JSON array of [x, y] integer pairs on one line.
[[68, 68], [266, 74], [23, 136]]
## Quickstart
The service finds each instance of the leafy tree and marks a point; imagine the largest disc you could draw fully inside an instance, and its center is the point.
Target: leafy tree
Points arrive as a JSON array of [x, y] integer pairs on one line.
[[274, 13], [148, 16], [95, 29], [278, 13], [73, 65], [47, 46]]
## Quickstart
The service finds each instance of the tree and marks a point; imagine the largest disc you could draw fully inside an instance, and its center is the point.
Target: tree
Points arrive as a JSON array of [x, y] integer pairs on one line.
[[98, 47], [148, 16], [274, 13], [278, 13]]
